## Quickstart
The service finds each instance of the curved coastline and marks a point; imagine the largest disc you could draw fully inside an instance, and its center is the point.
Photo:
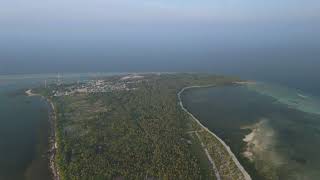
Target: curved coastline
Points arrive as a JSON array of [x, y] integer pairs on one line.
[[52, 139], [234, 158]]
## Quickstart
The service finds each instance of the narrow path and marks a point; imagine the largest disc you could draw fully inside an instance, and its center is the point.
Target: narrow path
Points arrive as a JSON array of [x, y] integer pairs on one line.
[[191, 132], [240, 167], [215, 169]]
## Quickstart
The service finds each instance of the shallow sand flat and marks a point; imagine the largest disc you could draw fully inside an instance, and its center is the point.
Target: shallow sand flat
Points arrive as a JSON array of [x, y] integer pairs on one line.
[[260, 148]]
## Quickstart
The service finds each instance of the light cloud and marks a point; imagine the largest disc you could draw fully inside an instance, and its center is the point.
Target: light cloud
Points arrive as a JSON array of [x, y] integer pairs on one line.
[[21, 12]]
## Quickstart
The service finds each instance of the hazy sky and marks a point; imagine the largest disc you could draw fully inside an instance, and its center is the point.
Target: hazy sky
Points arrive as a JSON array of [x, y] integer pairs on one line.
[[21, 13], [141, 35]]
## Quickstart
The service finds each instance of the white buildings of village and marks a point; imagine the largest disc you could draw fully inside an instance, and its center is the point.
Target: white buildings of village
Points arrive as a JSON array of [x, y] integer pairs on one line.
[[100, 86]]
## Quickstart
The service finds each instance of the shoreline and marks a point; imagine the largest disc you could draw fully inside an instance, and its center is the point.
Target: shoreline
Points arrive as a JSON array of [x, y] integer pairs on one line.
[[29, 93], [52, 141], [234, 158], [52, 137], [53, 144]]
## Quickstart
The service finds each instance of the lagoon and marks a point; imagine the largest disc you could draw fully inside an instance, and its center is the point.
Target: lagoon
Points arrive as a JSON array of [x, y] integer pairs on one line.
[[282, 139]]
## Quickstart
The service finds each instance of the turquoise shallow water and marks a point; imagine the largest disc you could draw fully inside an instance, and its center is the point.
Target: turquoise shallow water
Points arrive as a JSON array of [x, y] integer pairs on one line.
[[287, 143], [294, 98]]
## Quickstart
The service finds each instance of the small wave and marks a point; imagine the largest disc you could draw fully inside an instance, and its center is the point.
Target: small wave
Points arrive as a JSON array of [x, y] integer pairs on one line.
[[291, 97], [302, 96]]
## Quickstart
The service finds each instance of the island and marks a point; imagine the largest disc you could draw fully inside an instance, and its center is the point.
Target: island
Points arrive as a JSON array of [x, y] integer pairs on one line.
[[135, 127]]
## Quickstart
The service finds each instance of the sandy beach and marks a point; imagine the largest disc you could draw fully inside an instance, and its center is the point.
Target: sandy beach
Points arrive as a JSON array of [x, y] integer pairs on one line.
[[29, 93]]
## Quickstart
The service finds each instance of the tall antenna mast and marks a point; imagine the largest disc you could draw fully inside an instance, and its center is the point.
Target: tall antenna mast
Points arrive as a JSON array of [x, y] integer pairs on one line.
[[62, 78], [59, 79]]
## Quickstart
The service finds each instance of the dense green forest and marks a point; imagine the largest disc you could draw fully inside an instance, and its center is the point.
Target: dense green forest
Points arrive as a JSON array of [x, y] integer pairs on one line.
[[136, 134]]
